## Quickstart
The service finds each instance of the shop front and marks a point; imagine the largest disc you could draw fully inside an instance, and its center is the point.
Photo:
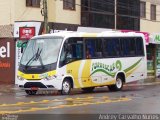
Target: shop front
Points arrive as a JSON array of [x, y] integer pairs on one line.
[[154, 54], [151, 58], [7, 53], [23, 31]]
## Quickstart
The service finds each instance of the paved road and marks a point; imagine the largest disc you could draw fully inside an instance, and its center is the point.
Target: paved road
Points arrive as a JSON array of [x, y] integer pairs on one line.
[[132, 99]]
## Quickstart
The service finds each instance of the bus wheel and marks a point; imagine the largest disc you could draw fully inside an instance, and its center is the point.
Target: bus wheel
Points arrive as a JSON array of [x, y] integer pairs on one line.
[[88, 90], [31, 92], [66, 87], [118, 86]]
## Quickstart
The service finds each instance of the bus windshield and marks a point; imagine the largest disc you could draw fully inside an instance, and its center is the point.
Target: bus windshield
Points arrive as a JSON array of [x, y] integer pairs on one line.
[[41, 51]]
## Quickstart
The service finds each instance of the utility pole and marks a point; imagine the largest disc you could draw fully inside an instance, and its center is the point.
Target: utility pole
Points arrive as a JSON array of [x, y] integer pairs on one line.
[[115, 14], [45, 14]]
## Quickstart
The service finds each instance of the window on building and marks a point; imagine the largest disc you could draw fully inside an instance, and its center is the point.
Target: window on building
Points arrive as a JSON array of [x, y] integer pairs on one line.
[[69, 4], [97, 13], [153, 12], [33, 3], [128, 15], [143, 9]]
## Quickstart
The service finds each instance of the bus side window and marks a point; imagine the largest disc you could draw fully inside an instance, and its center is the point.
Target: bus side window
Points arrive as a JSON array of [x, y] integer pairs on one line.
[[139, 46], [125, 47], [111, 47], [72, 51], [93, 48], [132, 44], [63, 55], [89, 48], [128, 47]]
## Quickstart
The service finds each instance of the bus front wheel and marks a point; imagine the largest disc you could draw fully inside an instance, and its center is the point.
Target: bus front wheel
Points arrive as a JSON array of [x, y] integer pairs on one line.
[[66, 87], [118, 85], [31, 92]]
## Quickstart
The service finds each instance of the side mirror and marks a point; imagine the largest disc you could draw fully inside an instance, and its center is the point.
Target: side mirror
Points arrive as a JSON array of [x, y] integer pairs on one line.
[[23, 46], [22, 49]]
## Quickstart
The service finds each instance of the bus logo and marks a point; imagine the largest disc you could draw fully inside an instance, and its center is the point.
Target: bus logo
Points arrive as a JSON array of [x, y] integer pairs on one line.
[[32, 76]]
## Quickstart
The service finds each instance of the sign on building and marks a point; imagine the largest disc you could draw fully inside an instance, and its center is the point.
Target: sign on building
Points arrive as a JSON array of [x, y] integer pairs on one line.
[[7, 54], [26, 33], [155, 38]]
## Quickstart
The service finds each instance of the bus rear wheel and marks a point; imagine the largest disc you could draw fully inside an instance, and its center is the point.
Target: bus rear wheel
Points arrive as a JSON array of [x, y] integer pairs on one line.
[[31, 92], [66, 87], [118, 85], [88, 90]]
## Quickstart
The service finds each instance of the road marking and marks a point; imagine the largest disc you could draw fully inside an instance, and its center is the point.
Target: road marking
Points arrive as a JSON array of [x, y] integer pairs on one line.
[[66, 103]]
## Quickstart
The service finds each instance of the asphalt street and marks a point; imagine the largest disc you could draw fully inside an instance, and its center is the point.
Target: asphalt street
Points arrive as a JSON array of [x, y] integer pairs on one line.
[[133, 99]]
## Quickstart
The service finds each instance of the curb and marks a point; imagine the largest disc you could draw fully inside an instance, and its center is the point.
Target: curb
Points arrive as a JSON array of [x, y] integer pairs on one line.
[[143, 84]]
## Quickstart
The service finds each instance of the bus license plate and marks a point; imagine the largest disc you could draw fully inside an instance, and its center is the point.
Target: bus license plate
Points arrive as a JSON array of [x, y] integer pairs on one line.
[[34, 88]]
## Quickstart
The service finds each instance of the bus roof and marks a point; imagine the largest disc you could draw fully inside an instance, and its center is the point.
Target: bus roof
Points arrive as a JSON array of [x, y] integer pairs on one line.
[[66, 34]]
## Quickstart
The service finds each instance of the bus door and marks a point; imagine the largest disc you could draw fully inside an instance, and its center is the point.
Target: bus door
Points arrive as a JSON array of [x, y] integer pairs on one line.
[[72, 57], [93, 54]]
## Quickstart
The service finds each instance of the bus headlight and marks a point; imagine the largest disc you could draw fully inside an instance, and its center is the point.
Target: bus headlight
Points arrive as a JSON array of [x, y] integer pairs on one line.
[[20, 78], [49, 78]]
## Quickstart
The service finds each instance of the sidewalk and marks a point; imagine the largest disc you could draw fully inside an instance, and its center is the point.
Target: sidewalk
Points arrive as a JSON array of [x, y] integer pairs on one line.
[[148, 81], [11, 88]]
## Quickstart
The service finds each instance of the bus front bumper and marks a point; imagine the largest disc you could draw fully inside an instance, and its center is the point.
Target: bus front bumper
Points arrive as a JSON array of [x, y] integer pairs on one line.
[[40, 85], [39, 89]]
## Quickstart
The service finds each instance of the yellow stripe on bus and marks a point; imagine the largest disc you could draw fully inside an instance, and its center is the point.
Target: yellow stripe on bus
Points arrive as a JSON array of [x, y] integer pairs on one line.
[[36, 76], [73, 70], [89, 35]]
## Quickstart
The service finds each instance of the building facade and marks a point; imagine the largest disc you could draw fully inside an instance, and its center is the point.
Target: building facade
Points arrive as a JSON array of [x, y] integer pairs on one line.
[[137, 15], [59, 11], [112, 14], [20, 15], [64, 15], [150, 16], [150, 22]]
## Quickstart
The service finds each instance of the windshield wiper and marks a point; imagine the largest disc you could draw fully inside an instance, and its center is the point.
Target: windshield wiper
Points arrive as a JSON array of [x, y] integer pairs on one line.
[[35, 57], [38, 56]]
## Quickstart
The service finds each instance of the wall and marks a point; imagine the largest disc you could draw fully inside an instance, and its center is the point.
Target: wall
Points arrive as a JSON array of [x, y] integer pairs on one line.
[[23, 13], [16, 10], [6, 12], [51, 10], [59, 15], [146, 24]]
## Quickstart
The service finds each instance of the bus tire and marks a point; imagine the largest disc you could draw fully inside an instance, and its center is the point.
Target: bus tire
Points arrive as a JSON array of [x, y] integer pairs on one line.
[[31, 92], [88, 90], [66, 87], [118, 86]]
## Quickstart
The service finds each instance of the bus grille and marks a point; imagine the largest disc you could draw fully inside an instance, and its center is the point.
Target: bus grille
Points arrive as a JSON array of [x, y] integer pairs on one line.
[[34, 84]]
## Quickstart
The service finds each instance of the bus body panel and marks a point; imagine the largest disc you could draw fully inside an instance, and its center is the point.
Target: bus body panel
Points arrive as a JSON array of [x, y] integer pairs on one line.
[[101, 72], [92, 72], [98, 72]]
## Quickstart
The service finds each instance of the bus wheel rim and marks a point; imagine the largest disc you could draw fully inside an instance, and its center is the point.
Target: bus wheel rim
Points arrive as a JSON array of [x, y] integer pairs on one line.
[[119, 83], [66, 87]]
